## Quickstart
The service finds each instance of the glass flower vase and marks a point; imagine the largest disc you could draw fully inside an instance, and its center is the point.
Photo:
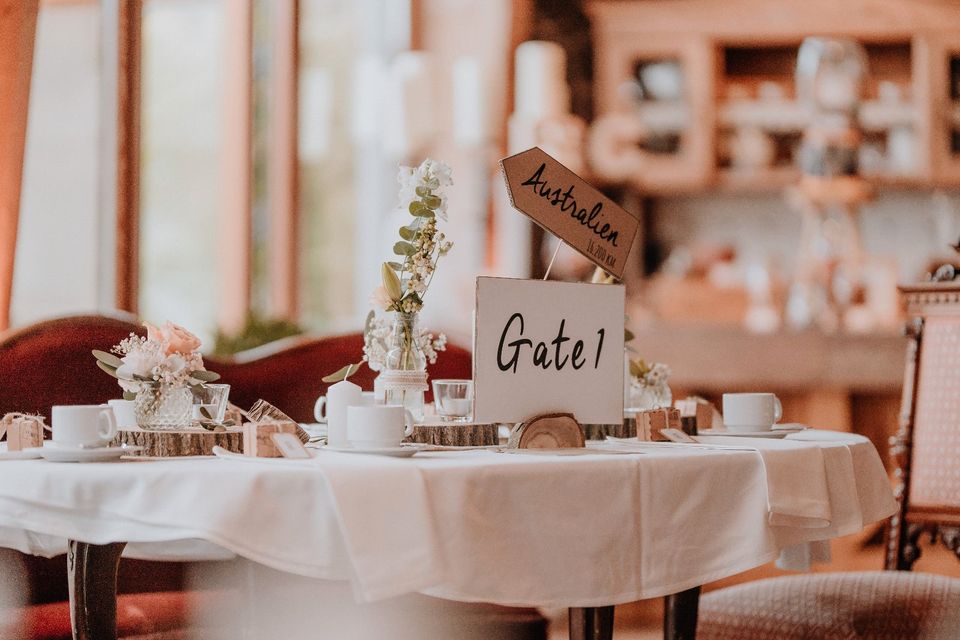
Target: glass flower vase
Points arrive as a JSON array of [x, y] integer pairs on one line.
[[404, 360], [643, 397], [163, 407]]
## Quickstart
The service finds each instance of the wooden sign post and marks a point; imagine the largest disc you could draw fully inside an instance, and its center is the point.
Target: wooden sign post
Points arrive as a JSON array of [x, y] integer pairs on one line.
[[563, 203], [547, 348]]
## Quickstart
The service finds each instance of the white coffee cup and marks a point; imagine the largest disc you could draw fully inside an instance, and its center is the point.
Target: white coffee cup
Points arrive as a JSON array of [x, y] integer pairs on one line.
[[83, 425], [123, 411], [751, 411], [378, 426], [320, 408]]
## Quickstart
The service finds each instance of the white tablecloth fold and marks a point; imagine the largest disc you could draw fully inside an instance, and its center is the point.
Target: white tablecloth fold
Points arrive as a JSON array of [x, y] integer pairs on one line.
[[797, 493]]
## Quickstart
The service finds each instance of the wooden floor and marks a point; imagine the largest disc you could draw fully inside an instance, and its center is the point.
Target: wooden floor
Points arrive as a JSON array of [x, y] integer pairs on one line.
[[642, 620]]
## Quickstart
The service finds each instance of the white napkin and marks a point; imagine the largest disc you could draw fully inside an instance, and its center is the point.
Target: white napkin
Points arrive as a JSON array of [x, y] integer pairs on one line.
[[797, 493]]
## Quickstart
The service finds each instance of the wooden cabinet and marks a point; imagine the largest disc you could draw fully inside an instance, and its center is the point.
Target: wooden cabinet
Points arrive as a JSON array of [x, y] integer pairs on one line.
[[736, 124]]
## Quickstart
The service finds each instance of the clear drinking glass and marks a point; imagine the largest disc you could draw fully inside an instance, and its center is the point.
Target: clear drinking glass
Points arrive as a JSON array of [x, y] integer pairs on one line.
[[453, 399], [210, 402]]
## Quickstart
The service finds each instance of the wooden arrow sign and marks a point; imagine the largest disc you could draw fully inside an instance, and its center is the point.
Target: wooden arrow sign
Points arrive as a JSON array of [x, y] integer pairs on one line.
[[563, 203]]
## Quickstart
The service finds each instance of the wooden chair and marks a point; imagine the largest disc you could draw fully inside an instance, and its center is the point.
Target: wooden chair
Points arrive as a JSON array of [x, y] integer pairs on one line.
[[894, 603]]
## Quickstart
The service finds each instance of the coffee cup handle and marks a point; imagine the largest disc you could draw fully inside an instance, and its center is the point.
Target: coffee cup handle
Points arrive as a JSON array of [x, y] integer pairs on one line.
[[319, 413], [778, 410], [106, 419], [408, 423]]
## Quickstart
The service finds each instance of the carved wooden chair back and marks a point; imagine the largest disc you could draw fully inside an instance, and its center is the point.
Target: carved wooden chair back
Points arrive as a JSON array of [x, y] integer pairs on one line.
[[927, 445]]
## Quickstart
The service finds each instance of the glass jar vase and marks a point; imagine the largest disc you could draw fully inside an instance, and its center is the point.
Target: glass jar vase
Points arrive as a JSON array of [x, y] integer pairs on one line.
[[163, 407], [405, 355]]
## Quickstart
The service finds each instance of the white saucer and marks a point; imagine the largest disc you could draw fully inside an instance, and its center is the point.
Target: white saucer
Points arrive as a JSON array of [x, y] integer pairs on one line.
[[403, 451], [773, 433], [33, 453], [55, 453]]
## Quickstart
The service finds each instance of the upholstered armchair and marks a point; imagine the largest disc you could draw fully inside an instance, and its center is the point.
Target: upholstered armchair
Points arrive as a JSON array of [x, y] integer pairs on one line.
[[894, 603]]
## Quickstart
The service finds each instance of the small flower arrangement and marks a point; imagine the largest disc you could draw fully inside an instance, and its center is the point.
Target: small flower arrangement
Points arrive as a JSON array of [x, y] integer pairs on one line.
[[648, 375], [378, 335], [167, 356], [422, 244]]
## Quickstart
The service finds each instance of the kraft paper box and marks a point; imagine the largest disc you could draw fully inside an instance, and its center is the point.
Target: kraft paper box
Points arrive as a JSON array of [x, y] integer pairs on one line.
[[651, 423], [23, 431], [257, 440], [696, 414]]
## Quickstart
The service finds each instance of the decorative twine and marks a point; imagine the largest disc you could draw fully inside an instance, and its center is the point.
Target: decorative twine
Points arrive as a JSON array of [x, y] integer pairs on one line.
[[399, 380]]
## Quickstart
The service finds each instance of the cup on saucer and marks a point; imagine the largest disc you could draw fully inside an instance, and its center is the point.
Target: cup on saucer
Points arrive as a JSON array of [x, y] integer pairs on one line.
[[378, 426], [748, 412], [82, 426]]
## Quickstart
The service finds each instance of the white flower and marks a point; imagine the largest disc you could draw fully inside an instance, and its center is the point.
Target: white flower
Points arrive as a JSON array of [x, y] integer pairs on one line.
[[140, 362]]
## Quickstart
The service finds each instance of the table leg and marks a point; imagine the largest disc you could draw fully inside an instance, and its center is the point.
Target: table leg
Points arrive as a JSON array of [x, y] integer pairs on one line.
[[680, 615], [591, 623], [92, 577]]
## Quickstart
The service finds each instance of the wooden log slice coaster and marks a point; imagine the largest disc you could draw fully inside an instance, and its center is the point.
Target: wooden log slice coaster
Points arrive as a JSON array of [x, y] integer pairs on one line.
[[455, 434], [548, 431], [626, 429], [175, 444]]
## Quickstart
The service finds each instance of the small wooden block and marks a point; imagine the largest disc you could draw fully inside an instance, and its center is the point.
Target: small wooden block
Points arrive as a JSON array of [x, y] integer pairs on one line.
[[696, 414], [651, 423], [626, 429], [456, 434], [174, 444], [257, 440], [548, 431]]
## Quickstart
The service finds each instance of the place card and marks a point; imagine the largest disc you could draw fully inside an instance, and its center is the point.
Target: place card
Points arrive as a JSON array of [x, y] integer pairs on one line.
[[564, 204], [675, 435], [258, 438], [290, 446], [544, 347]]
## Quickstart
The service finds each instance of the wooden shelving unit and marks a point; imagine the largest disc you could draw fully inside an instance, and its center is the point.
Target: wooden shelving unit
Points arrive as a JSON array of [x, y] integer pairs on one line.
[[736, 124]]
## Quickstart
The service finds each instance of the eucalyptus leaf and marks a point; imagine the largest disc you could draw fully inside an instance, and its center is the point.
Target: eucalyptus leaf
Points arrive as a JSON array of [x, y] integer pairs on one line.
[[342, 374], [423, 191], [424, 213], [415, 207], [391, 282], [404, 249], [107, 368], [407, 233], [205, 376], [129, 395], [396, 266], [107, 358], [433, 202], [628, 335], [206, 413]]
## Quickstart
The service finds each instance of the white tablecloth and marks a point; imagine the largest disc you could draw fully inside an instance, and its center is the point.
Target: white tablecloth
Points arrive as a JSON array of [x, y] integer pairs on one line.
[[540, 530]]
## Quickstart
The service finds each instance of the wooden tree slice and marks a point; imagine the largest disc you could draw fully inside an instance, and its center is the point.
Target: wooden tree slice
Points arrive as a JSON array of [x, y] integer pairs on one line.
[[626, 429], [175, 444], [456, 434], [548, 431]]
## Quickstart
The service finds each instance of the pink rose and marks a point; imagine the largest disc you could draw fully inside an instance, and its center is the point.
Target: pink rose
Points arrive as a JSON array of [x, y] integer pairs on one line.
[[154, 333], [179, 340], [380, 298]]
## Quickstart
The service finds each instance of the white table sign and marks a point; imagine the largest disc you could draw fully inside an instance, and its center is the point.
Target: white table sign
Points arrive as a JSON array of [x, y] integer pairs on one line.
[[547, 347]]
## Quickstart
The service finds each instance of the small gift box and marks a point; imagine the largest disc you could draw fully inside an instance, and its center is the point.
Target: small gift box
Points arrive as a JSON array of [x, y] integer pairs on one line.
[[258, 437], [23, 431], [696, 414], [650, 423]]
